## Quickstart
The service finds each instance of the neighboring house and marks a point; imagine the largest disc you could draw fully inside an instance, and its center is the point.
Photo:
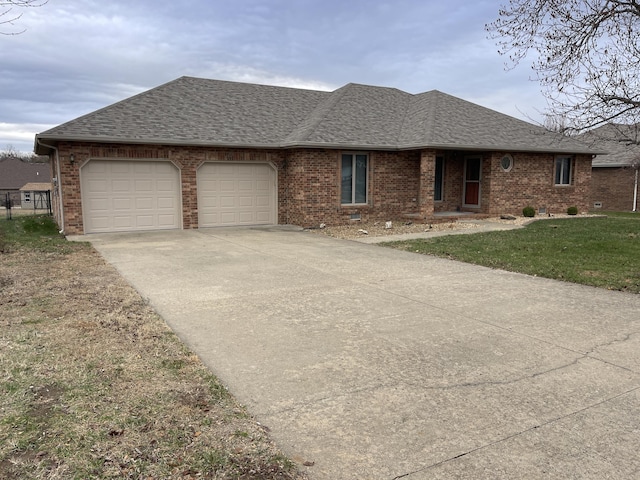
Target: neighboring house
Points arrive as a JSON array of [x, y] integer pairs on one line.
[[614, 178], [15, 173], [35, 196], [206, 153]]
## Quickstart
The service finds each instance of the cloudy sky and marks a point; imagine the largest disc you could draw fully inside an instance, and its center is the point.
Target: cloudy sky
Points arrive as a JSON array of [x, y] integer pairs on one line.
[[76, 56]]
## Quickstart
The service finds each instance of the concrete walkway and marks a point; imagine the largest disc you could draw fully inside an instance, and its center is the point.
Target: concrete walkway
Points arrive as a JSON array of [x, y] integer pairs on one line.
[[379, 364]]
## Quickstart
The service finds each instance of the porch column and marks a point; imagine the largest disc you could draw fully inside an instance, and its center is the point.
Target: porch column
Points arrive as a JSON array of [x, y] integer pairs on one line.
[[426, 183]]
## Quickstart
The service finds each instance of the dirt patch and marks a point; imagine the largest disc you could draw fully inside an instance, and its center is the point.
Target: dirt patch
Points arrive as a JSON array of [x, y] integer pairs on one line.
[[399, 227]]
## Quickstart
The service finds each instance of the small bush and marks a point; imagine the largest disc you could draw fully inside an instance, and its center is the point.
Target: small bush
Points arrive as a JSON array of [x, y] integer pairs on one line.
[[529, 211], [572, 211]]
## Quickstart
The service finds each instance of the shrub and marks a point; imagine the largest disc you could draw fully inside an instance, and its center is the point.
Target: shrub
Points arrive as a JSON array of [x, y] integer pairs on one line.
[[572, 211], [529, 211]]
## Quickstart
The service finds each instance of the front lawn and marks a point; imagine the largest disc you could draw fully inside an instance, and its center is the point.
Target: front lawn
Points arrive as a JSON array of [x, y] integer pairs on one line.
[[599, 251]]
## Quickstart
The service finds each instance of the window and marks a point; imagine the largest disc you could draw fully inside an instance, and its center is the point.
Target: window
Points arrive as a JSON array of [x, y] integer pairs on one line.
[[27, 197], [506, 163], [354, 178], [439, 181], [563, 170]]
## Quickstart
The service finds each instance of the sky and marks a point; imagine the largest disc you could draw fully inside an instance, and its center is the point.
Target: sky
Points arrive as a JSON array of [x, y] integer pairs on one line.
[[76, 56]]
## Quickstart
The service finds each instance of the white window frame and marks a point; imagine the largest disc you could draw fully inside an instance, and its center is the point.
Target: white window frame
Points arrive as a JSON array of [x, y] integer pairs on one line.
[[562, 161], [27, 197], [353, 156]]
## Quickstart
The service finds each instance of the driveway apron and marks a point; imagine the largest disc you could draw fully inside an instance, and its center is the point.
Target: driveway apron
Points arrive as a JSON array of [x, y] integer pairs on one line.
[[373, 363]]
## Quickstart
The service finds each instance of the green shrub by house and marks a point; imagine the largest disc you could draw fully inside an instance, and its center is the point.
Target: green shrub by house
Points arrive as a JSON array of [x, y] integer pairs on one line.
[[572, 211], [529, 212]]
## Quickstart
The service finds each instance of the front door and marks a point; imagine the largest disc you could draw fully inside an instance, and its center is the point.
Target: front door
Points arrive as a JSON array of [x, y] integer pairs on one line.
[[472, 174]]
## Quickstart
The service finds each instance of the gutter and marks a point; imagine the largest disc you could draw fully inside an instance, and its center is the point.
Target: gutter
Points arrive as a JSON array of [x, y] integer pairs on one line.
[[285, 145], [635, 193], [57, 160]]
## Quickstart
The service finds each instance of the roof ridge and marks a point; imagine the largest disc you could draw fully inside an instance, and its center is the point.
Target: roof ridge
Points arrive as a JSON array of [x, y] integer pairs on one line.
[[317, 116]]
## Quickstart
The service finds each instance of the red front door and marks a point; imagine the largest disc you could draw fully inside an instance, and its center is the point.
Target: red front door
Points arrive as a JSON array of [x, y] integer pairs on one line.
[[472, 171]]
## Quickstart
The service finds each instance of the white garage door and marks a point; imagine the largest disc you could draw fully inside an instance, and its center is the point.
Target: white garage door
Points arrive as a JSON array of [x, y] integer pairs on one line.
[[236, 194], [119, 196]]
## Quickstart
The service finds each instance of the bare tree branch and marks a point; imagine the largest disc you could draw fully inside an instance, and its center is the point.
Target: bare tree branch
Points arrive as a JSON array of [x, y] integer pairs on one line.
[[8, 17], [586, 55]]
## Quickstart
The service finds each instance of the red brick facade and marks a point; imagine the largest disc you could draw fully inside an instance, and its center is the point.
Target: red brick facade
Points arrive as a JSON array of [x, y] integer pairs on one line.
[[613, 188], [309, 182]]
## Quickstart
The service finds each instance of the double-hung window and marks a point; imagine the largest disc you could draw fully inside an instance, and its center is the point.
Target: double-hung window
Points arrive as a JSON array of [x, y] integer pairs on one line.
[[563, 170], [354, 168]]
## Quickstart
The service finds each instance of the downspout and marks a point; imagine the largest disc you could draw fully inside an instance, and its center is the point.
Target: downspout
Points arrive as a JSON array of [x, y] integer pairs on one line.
[[57, 157], [635, 191]]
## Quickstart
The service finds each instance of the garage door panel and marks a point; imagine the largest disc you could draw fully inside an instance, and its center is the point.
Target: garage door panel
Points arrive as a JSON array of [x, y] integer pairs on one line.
[[122, 203], [245, 201], [144, 221], [120, 186], [236, 194], [143, 186], [130, 195], [122, 221], [166, 203], [120, 167], [262, 217], [98, 186], [144, 203], [166, 220], [228, 218]]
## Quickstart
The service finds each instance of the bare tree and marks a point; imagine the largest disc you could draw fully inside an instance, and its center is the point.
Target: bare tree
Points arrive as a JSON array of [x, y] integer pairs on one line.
[[9, 14], [586, 55]]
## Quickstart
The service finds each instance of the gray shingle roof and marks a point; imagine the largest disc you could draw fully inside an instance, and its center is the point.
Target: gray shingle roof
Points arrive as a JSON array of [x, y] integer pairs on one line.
[[14, 173], [616, 139], [194, 111]]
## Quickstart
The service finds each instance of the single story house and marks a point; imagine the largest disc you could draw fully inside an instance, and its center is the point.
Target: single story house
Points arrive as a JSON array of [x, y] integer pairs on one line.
[[204, 153], [15, 173], [35, 196], [614, 178]]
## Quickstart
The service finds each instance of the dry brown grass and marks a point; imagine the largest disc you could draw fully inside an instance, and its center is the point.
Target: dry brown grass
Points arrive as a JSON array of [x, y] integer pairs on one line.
[[93, 384]]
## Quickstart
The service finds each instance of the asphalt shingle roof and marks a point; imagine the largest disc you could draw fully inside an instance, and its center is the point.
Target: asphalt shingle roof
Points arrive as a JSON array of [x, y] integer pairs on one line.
[[14, 173], [194, 111], [620, 141]]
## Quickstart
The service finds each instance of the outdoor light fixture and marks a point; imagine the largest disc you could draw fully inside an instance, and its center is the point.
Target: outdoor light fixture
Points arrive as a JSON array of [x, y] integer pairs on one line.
[[72, 159]]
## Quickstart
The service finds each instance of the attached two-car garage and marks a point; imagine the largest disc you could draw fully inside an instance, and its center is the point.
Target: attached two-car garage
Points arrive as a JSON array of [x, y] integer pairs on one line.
[[130, 195]]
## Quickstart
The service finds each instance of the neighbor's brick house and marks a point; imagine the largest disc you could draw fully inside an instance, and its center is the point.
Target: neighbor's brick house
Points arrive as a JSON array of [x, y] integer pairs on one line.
[[614, 184], [197, 152]]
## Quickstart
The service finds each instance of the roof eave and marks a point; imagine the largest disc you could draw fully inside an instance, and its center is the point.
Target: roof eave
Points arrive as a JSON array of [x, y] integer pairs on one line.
[[42, 149], [149, 141]]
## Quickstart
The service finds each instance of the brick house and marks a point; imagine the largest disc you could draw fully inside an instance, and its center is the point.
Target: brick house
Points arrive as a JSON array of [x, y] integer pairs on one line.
[[614, 177], [15, 173], [203, 153]]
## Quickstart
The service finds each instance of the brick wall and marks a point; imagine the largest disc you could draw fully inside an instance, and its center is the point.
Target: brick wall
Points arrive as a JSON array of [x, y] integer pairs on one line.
[[613, 187], [531, 182], [313, 187], [187, 159], [309, 182]]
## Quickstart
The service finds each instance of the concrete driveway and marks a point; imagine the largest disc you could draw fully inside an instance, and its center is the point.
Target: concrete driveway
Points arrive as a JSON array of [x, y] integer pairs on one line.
[[380, 364]]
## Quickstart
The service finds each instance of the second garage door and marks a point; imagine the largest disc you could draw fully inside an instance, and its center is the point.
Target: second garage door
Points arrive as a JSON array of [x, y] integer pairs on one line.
[[236, 194]]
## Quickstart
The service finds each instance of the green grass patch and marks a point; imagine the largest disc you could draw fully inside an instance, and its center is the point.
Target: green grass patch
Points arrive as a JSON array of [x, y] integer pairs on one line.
[[36, 232], [601, 251]]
